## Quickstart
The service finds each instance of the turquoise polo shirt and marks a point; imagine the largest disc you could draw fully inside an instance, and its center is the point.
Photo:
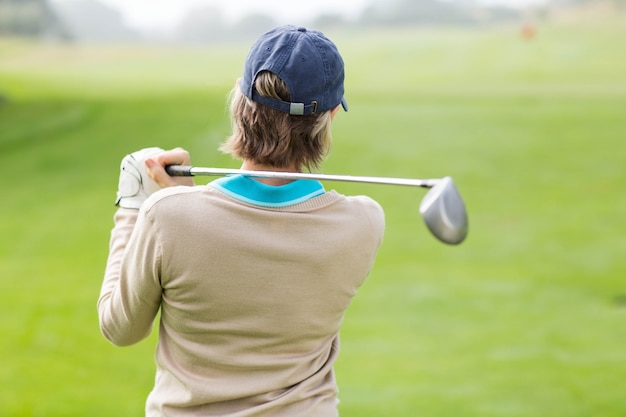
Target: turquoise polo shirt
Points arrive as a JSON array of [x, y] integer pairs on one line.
[[247, 190]]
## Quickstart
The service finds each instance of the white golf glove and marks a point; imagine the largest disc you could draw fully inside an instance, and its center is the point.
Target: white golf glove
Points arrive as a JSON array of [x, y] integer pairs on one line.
[[135, 185]]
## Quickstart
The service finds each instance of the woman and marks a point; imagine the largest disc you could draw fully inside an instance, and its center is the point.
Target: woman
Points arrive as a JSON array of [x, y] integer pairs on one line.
[[252, 276]]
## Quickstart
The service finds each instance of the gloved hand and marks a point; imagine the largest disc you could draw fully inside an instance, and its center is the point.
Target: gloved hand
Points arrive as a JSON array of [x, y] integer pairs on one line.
[[135, 185]]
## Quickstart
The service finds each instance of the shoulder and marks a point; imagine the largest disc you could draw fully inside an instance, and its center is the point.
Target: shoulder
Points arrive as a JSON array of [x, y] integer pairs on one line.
[[366, 202], [171, 196], [362, 201], [367, 207]]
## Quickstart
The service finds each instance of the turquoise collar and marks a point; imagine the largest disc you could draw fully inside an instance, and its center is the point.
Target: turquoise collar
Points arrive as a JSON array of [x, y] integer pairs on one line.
[[249, 191]]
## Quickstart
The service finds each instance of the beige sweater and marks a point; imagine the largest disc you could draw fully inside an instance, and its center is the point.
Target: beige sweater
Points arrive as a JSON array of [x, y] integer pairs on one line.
[[251, 297]]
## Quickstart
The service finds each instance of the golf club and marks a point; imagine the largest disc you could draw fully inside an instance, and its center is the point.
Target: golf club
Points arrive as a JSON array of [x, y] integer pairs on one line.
[[442, 208]]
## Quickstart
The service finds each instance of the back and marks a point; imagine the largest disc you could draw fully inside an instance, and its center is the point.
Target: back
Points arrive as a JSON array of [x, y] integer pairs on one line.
[[254, 292]]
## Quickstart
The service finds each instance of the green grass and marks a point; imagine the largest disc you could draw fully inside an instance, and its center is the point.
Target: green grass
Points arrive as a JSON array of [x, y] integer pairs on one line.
[[523, 319]]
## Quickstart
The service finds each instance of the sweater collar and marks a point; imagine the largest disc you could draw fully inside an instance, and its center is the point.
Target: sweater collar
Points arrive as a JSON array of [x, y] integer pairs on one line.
[[247, 190]]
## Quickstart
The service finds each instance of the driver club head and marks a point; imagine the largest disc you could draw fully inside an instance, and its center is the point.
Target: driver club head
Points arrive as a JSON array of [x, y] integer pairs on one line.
[[444, 213]]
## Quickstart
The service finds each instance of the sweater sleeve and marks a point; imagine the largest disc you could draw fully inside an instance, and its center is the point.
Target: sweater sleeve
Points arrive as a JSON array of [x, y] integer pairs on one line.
[[131, 292]]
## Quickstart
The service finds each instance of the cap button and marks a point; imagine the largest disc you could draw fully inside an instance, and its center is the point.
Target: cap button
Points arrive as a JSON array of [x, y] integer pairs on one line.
[[301, 29]]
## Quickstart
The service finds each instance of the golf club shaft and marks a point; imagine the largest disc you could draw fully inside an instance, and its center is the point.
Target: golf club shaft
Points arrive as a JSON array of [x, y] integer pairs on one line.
[[190, 171]]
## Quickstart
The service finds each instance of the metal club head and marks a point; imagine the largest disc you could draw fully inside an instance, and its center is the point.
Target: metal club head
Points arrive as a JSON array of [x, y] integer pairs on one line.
[[444, 213]]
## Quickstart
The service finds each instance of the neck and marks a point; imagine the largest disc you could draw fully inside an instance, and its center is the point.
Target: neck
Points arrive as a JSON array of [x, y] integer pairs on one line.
[[252, 166]]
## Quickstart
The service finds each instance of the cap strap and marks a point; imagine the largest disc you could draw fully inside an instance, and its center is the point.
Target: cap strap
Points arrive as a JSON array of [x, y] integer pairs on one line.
[[296, 109]]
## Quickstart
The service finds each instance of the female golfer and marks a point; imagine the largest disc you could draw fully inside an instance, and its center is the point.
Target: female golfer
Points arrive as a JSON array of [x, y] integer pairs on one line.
[[252, 276]]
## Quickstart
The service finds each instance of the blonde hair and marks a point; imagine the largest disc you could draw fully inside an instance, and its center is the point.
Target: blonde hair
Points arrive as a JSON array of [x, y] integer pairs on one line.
[[271, 137]]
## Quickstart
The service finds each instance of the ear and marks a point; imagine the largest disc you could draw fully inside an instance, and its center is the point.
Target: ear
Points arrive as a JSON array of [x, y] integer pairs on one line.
[[334, 111]]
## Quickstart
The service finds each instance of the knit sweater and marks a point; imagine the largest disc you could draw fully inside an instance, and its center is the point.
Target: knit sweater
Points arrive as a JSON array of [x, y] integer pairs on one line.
[[252, 283]]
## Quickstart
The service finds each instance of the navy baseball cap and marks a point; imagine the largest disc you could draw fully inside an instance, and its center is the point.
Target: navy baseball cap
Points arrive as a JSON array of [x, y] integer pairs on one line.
[[306, 60]]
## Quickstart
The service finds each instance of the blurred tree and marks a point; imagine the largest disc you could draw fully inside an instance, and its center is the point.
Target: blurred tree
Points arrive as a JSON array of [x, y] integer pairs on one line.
[[94, 21], [251, 25], [207, 25], [617, 4], [584, 8], [31, 18], [434, 12], [201, 25], [329, 21]]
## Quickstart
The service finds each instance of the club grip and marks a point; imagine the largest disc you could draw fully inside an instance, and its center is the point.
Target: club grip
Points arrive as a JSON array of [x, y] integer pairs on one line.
[[179, 171]]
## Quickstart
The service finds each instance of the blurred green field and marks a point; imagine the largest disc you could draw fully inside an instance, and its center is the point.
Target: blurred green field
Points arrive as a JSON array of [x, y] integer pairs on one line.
[[526, 318]]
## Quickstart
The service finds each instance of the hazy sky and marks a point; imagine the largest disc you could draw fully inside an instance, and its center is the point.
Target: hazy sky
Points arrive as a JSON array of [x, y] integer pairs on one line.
[[164, 14]]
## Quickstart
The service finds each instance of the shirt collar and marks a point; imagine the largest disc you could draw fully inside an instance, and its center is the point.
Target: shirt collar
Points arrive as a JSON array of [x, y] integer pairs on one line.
[[248, 190]]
